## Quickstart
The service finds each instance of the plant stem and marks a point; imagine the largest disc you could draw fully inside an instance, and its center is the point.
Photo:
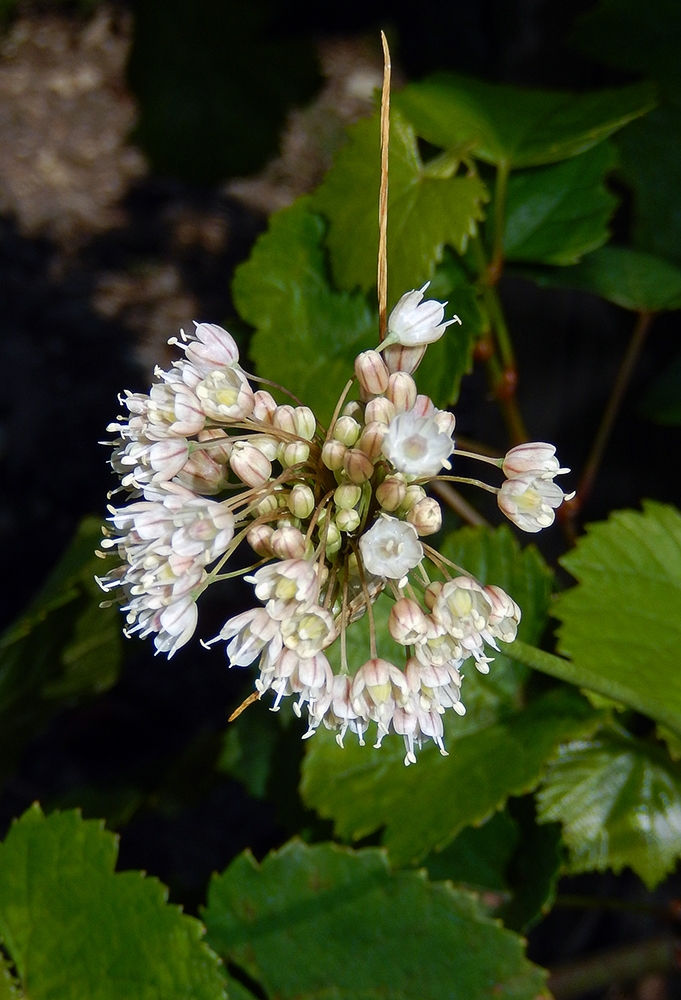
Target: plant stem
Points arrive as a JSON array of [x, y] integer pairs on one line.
[[383, 194], [565, 670], [500, 190], [617, 965]]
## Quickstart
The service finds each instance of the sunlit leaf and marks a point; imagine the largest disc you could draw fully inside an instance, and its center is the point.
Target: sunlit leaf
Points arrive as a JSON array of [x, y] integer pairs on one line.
[[326, 921], [75, 929], [522, 128]]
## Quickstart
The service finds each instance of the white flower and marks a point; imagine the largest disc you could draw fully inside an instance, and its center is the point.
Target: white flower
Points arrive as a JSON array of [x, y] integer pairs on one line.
[[529, 501], [415, 445], [390, 548], [225, 394], [308, 631], [285, 586], [536, 457], [250, 632], [463, 608], [209, 347], [414, 322]]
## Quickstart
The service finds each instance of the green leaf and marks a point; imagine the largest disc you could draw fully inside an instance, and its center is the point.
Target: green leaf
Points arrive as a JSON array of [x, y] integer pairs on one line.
[[622, 623], [534, 869], [662, 402], [249, 744], [555, 214], [65, 645], [522, 128], [75, 929], [428, 208], [619, 800], [629, 278], [478, 856], [325, 921], [307, 335], [423, 807]]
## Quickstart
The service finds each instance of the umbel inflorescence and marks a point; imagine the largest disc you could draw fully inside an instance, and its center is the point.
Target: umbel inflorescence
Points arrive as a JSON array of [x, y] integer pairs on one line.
[[334, 516]]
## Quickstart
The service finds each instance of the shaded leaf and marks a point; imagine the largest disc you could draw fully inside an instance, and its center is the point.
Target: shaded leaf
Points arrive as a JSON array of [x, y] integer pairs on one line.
[[427, 209], [662, 402], [555, 214], [324, 920], [619, 800], [73, 928], [479, 855], [622, 622], [523, 128], [629, 278], [534, 869], [307, 335]]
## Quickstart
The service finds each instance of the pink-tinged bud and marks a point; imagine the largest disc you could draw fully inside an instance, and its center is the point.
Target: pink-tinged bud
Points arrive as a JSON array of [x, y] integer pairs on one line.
[[371, 439], [358, 466], [391, 493], [267, 444], [537, 457], [423, 406], [413, 495], [293, 454], [250, 465], [168, 457], [284, 417], [426, 516], [305, 422], [403, 359], [269, 504], [372, 373], [407, 623], [301, 501], [259, 538], [380, 409], [220, 447], [347, 430], [202, 475], [347, 520], [505, 614], [446, 422], [346, 496], [288, 542], [264, 406], [333, 453], [432, 593], [401, 391]]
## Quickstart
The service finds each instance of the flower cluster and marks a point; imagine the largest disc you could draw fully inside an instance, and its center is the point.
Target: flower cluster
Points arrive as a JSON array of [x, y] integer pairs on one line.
[[334, 516]]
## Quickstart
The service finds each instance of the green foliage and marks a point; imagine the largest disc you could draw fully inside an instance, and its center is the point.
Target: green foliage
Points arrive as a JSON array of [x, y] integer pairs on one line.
[[428, 207], [621, 623], [73, 928], [64, 646], [521, 128], [479, 856], [293, 922], [629, 278], [662, 402], [555, 214], [307, 334], [619, 800]]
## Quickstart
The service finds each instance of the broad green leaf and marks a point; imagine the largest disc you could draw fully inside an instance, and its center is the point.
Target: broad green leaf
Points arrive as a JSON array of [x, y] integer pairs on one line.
[[557, 213], [511, 125], [534, 869], [622, 622], [8, 984], [428, 208], [651, 166], [423, 807], [65, 645], [619, 800], [662, 402], [307, 335], [75, 929], [629, 278], [479, 856], [325, 921], [247, 750]]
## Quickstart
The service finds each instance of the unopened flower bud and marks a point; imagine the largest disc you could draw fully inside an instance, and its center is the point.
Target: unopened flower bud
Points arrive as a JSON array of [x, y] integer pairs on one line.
[[301, 501], [392, 492], [536, 457], [285, 419], [259, 538], [432, 593], [413, 495], [333, 453], [220, 447], [334, 538], [269, 504], [380, 409], [264, 406], [358, 466], [305, 422], [353, 408], [202, 475], [347, 520], [446, 421], [372, 373], [347, 496], [505, 614], [407, 623], [347, 430], [403, 359], [426, 516], [401, 391], [371, 439], [267, 444], [423, 406], [288, 542], [168, 457], [250, 465], [293, 454]]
